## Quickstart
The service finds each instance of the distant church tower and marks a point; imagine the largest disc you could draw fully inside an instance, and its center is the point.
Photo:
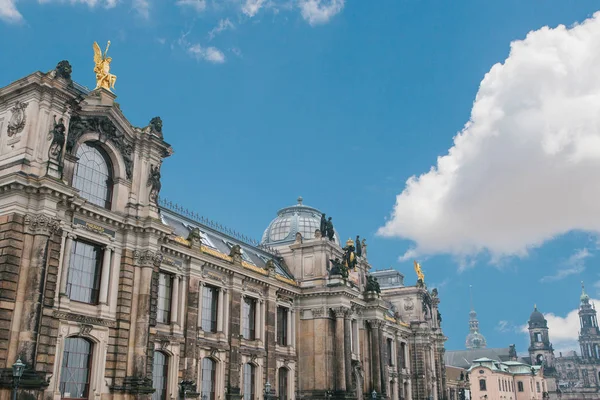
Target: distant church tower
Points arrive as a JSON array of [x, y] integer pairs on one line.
[[540, 348], [589, 336], [475, 340]]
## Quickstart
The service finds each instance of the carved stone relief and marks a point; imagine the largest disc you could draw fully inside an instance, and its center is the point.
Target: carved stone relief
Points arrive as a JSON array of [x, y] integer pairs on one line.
[[17, 121], [107, 131], [147, 257], [42, 224]]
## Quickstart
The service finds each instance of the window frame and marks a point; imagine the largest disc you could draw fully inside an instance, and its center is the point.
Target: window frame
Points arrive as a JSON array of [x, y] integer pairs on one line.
[[165, 377], [168, 300], [249, 328], [110, 182], [252, 383], [89, 365], [482, 385], [210, 309], [212, 380], [285, 380], [281, 332], [74, 262]]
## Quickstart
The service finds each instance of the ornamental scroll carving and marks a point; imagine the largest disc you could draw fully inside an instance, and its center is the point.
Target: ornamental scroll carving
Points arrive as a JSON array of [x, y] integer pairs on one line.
[[106, 130], [147, 258], [342, 312], [42, 224], [18, 119], [409, 305], [318, 312]]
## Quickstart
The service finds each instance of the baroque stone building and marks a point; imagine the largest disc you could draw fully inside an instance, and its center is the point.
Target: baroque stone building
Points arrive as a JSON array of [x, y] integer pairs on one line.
[[108, 292]]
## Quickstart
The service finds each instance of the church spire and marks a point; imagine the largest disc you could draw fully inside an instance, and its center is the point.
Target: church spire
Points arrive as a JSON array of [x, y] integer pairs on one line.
[[475, 340]]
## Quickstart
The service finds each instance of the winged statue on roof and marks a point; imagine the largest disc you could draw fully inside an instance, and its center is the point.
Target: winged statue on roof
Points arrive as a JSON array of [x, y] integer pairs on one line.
[[104, 79]]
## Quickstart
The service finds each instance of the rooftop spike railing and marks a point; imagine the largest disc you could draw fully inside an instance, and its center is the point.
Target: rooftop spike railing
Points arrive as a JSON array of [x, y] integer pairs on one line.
[[162, 202]]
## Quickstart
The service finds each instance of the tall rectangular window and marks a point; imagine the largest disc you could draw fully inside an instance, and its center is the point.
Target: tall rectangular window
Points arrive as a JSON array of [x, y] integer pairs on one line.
[[209, 375], [163, 308], [403, 354], [85, 264], [248, 320], [537, 386], [249, 378], [210, 303], [390, 352], [282, 321], [520, 387]]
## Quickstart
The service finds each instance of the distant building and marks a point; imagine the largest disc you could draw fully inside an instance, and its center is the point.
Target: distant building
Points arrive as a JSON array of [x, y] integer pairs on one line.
[[475, 340], [457, 384], [509, 380]]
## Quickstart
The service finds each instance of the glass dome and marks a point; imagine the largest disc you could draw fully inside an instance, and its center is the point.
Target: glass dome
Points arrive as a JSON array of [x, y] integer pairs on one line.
[[289, 221]]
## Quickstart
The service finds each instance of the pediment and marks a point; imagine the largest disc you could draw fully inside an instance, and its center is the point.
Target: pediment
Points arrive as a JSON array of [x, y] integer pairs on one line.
[[97, 112]]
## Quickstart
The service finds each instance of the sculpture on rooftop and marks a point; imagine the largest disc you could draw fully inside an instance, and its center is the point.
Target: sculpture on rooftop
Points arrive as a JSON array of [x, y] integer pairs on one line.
[[154, 182], [338, 268], [364, 248], [323, 226], [358, 246], [104, 79], [349, 255], [420, 275], [372, 285], [57, 135], [329, 229], [63, 70]]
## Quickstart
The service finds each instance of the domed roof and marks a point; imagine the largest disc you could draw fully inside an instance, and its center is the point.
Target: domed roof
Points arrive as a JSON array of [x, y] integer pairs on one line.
[[537, 318], [475, 340], [289, 221]]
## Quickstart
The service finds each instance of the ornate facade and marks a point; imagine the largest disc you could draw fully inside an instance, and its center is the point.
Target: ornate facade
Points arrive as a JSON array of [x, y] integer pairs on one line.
[[108, 292]]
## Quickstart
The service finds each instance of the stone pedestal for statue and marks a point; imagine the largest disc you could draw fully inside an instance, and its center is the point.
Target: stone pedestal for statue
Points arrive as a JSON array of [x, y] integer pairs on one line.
[[54, 169], [371, 295]]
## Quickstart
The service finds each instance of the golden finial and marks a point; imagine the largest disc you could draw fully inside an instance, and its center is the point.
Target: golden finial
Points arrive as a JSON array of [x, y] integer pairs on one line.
[[419, 272], [350, 242], [104, 79]]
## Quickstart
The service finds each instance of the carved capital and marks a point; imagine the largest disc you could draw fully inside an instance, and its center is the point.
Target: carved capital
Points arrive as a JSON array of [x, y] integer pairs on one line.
[[147, 258], [42, 224], [341, 312], [376, 323]]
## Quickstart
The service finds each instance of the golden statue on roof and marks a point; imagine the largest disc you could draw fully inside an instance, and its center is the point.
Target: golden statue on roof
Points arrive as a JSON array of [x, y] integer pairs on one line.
[[419, 272], [104, 79]]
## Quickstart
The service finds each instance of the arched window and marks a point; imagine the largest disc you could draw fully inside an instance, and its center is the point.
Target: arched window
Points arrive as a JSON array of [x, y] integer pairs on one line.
[[160, 372], [93, 175], [75, 371], [249, 381], [482, 385], [283, 384], [209, 375]]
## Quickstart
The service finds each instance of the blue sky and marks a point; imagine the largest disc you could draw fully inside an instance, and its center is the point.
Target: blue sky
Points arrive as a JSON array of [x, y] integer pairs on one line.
[[343, 102]]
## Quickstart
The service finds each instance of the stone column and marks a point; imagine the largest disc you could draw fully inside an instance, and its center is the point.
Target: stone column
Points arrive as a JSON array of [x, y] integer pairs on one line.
[[65, 266], [226, 316], [383, 362], [220, 310], [348, 347], [183, 289], [340, 358], [175, 300], [233, 382], [105, 277], [375, 355], [257, 322], [40, 227], [115, 271], [289, 327], [292, 322], [200, 299]]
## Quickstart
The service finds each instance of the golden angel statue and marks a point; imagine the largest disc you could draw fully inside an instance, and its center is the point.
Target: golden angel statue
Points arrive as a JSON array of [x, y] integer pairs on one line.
[[104, 79], [420, 274]]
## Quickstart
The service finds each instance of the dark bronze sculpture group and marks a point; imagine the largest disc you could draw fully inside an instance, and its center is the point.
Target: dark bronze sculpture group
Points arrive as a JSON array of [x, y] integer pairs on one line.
[[326, 227]]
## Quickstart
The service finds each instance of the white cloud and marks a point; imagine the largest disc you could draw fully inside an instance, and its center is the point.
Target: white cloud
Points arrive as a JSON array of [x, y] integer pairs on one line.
[[574, 265], [9, 12], [563, 331], [223, 25], [196, 5], [210, 54], [319, 11], [524, 168], [251, 7], [142, 7]]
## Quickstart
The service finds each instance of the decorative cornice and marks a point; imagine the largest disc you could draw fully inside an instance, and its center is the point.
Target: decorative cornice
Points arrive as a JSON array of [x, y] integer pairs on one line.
[[84, 319], [147, 258], [42, 224]]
